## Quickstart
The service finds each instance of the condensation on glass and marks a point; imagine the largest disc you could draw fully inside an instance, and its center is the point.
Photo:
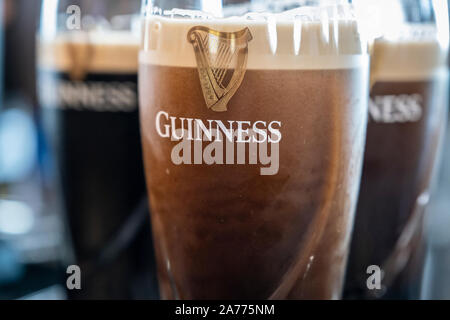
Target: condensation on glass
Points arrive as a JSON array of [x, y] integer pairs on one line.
[[253, 121]]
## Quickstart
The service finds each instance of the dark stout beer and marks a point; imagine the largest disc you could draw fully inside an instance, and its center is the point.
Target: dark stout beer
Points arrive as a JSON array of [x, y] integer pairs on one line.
[[267, 213], [88, 95], [407, 119]]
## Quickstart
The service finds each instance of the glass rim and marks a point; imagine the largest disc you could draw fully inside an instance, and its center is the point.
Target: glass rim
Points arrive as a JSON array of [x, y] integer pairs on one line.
[[307, 13]]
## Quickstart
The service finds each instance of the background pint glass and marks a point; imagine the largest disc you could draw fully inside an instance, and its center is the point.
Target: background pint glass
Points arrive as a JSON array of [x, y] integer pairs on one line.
[[408, 115], [253, 120], [87, 80]]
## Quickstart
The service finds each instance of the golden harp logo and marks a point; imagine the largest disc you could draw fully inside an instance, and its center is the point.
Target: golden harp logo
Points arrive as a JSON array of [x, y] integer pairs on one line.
[[221, 62]]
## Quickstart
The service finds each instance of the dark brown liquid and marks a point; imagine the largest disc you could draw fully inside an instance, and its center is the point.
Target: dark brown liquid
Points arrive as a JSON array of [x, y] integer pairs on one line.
[[398, 166], [95, 143], [225, 231]]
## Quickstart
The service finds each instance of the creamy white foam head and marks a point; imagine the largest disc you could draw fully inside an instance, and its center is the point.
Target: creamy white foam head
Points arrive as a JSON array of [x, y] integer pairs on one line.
[[103, 51], [286, 41], [413, 54]]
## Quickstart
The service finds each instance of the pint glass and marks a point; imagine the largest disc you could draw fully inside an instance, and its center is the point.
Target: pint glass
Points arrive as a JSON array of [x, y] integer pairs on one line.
[[87, 80], [253, 121], [408, 114]]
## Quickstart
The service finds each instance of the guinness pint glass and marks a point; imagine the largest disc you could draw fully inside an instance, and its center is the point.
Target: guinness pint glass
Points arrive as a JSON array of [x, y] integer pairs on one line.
[[407, 119], [87, 78], [253, 120]]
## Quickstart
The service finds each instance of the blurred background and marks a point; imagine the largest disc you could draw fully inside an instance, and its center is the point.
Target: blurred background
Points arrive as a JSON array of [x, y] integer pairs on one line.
[[31, 230], [33, 245], [35, 249]]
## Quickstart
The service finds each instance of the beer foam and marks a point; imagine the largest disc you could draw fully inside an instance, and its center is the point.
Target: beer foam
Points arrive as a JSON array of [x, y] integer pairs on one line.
[[414, 55], [98, 51], [282, 41]]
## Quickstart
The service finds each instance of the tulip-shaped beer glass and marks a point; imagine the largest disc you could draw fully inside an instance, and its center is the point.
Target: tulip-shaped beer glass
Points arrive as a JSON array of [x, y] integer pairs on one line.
[[87, 69], [253, 120], [408, 109]]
